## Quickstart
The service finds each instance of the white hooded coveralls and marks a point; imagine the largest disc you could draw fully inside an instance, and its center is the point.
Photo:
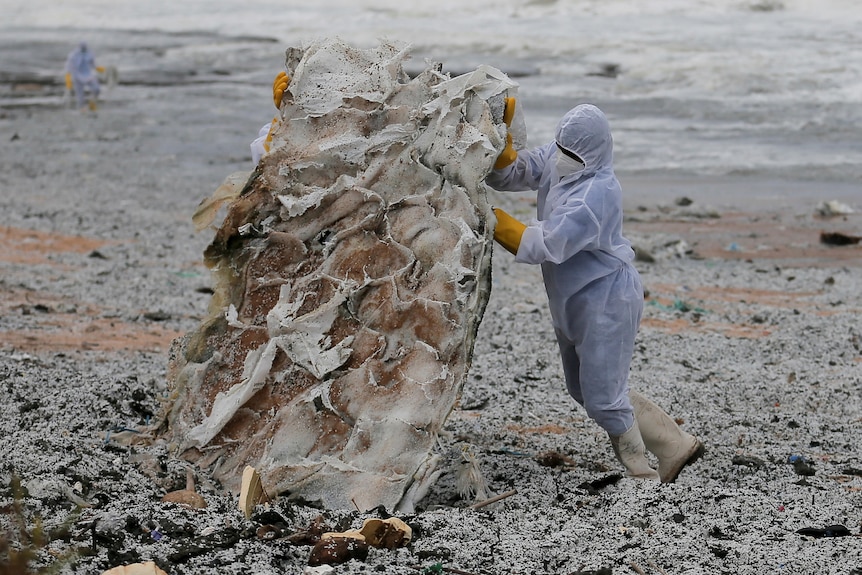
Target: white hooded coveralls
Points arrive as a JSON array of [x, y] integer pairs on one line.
[[594, 291], [81, 65]]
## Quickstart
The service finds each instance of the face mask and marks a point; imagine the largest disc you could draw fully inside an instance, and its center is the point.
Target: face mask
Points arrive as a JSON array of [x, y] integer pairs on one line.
[[567, 166]]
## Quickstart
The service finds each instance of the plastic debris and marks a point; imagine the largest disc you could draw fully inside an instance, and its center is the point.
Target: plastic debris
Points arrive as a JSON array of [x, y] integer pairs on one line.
[[677, 305], [833, 208], [828, 531]]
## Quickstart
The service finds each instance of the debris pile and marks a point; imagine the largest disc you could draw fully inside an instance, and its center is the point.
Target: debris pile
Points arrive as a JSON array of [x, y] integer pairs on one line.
[[351, 273]]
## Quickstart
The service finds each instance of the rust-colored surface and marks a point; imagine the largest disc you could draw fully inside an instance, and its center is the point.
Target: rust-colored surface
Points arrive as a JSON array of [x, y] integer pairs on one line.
[[790, 240], [53, 322], [23, 246]]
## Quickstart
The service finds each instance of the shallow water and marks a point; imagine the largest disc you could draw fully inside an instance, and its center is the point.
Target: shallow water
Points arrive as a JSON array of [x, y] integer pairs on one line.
[[766, 87]]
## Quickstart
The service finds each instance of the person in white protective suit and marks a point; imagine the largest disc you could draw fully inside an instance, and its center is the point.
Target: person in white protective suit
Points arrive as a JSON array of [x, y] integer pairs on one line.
[[81, 75], [594, 291]]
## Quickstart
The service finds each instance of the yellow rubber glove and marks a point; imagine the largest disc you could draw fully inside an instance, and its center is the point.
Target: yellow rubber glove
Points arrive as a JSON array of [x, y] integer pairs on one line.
[[100, 69], [268, 141], [508, 156], [279, 85], [68, 81], [509, 231]]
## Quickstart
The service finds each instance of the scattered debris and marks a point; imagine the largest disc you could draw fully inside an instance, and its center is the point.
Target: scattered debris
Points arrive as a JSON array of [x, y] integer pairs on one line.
[[554, 459], [833, 208], [311, 534], [656, 248], [838, 239], [469, 480], [148, 568], [801, 465], [494, 499], [188, 496], [337, 548], [828, 531], [157, 316], [597, 485], [677, 305], [251, 491], [748, 461], [435, 568], [386, 533]]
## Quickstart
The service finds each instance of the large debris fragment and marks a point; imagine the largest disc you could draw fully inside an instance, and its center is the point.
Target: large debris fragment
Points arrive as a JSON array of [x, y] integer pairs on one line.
[[351, 273]]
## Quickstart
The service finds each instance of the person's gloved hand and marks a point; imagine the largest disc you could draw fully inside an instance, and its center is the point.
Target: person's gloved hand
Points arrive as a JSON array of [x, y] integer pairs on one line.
[[100, 69], [508, 231], [279, 85], [68, 81], [508, 155], [268, 141]]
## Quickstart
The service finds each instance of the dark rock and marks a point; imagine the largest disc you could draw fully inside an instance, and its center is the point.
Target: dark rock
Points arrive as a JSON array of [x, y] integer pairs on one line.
[[336, 550], [828, 531]]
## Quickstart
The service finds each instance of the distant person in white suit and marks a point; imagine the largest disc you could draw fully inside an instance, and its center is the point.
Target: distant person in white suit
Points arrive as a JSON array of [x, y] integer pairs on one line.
[[82, 75]]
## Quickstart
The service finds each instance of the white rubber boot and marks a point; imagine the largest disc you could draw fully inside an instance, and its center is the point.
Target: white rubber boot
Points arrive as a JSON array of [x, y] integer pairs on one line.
[[673, 447], [631, 452]]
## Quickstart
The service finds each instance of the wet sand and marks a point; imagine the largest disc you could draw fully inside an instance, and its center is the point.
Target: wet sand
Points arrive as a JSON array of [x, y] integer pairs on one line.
[[750, 338]]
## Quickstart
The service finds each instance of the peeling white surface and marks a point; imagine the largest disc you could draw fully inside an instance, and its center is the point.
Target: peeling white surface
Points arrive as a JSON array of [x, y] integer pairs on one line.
[[353, 271]]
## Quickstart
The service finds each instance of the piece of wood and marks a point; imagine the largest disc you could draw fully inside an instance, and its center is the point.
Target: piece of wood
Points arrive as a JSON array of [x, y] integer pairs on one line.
[[494, 499]]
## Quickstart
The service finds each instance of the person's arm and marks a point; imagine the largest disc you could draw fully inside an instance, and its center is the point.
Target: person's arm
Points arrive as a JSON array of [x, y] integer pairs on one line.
[[571, 227], [524, 173], [515, 170], [264, 137]]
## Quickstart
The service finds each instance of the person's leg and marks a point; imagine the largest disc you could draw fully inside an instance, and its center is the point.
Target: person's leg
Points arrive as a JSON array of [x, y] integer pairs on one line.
[[92, 85], [608, 313], [673, 447], [607, 321], [571, 367], [79, 91]]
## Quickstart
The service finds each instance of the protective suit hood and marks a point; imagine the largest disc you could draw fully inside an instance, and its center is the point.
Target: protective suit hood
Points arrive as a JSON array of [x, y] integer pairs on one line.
[[585, 132]]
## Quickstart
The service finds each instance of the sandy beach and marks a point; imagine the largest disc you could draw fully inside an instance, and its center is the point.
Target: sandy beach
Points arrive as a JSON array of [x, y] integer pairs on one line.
[[751, 338]]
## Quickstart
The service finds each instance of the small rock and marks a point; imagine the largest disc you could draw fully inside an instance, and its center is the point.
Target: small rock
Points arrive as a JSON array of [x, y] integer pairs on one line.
[[148, 568], [386, 533], [337, 548]]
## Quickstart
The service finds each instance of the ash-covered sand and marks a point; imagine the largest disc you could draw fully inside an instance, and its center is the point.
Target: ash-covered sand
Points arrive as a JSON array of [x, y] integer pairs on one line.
[[751, 337]]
